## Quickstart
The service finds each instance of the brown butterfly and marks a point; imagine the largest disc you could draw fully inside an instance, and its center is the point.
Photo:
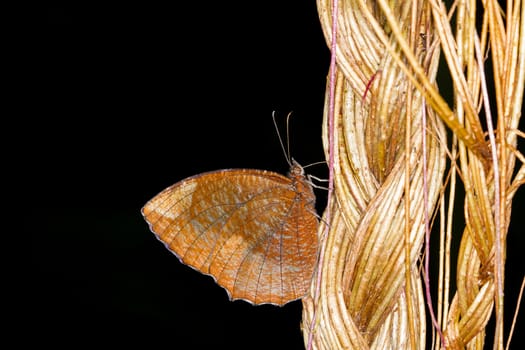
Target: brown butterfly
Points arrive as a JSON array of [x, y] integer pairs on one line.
[[253, 231]]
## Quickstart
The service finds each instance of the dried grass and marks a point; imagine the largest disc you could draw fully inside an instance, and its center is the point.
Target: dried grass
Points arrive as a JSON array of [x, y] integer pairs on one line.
[[393, 165]]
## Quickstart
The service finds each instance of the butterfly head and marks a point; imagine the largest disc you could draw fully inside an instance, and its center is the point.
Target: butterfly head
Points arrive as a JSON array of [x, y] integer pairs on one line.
[[296, 169]]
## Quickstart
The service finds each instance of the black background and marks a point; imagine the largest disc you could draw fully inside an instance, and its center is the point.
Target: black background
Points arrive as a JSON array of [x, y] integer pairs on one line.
[[133, 98]]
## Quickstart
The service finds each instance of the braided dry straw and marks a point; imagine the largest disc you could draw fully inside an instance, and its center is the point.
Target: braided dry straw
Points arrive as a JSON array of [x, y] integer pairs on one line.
[[390, 156]]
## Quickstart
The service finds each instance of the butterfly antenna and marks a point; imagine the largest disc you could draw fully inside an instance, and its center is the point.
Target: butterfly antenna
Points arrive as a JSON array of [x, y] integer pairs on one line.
[[285, 151], [288, 138]]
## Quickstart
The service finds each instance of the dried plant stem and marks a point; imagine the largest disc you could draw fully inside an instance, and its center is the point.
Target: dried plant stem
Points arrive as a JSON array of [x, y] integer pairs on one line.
[[520, 297], [373, 242], [384, 136], [328, 212]]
